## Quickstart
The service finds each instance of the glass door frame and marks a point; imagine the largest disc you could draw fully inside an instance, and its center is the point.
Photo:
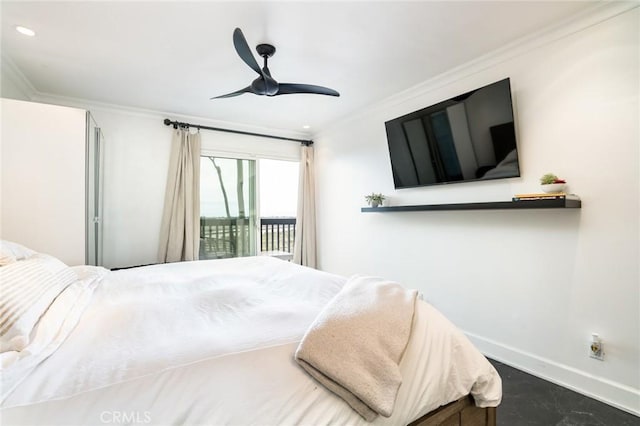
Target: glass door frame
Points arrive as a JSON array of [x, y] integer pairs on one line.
[[253, 236], [94, 192]]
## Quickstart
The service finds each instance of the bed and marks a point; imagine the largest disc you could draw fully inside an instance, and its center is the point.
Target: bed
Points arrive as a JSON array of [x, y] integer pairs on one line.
[[210, 342]]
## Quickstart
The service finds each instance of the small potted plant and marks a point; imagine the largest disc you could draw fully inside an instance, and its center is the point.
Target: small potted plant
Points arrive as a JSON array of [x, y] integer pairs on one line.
[[374, 199], [552, 183]]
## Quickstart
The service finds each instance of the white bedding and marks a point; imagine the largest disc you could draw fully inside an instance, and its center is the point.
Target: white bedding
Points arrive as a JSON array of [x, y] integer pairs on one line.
[[212, 342]]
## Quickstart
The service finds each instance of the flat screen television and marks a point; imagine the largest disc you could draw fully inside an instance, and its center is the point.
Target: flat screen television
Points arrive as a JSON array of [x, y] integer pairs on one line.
[[470, 137]]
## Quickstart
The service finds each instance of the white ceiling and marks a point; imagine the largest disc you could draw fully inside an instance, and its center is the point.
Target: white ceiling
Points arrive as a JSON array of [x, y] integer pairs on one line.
[[174, 56]]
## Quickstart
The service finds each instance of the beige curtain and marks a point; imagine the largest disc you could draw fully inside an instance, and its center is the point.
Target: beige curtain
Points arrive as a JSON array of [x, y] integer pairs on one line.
[[304, 249], [180, 230]]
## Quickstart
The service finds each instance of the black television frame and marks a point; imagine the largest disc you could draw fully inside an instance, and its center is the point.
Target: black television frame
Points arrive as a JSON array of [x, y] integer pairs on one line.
[[440, 153]]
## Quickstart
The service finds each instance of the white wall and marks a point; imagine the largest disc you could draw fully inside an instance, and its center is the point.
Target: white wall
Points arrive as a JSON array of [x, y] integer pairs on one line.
[[43, 178], [137, 148], [529, 287]]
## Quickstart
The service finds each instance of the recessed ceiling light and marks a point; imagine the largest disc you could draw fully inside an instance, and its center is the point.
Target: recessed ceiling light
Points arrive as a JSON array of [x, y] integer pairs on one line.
[[26, 31], [306, 126]]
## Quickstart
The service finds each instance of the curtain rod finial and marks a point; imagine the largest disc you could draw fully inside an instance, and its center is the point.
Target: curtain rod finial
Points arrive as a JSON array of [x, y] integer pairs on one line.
[[168, 122]]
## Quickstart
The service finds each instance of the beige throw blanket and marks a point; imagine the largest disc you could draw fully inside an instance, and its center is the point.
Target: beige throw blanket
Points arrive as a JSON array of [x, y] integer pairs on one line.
[[355, 344]]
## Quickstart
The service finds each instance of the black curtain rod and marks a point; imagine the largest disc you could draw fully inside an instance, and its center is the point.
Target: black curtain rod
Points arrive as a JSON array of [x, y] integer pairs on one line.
[[177, 124]]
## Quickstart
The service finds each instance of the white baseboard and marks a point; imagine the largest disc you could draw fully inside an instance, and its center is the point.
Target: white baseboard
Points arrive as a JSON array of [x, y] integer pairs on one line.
[[615, 394]]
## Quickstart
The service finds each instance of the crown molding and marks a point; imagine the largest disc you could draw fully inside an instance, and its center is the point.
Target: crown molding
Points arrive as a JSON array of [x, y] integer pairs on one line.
[[600, 12], [11, 71], [91, 105]]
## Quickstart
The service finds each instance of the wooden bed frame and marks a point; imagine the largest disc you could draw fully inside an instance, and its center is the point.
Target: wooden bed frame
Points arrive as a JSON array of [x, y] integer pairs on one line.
[[462, 412]]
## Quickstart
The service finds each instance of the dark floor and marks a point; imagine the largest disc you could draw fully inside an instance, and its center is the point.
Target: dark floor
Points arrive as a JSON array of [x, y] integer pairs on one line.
[[528, 400]]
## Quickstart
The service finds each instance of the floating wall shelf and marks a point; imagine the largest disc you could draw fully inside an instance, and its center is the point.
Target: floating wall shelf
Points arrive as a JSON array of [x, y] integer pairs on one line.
[[493, 205]]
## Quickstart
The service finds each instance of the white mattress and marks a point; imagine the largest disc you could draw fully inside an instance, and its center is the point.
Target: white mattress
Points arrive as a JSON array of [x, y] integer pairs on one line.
[[212, 342]]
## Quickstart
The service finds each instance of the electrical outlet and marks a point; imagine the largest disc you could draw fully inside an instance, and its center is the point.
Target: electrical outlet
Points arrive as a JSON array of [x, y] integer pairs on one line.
[[596, 350]]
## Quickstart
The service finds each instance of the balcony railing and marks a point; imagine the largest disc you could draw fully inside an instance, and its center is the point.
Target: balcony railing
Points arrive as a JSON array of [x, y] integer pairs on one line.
[[277, 233], [230, 237]]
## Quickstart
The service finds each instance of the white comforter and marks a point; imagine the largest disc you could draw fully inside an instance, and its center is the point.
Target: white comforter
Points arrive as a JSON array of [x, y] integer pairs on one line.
[[212, 342]]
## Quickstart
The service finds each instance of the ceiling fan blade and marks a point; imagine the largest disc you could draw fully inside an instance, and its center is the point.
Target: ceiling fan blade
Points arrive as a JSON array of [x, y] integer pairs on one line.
[[270, 84], [289, 88], [236, 93], [240, 43]]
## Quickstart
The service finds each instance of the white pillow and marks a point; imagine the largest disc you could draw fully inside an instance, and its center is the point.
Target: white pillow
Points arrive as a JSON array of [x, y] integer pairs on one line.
[[11, 252], [29, 287]]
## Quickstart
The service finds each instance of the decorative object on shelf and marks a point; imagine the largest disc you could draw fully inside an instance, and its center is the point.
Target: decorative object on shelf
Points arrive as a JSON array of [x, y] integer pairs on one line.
[[545, 196], [551, 183], [374, 199]]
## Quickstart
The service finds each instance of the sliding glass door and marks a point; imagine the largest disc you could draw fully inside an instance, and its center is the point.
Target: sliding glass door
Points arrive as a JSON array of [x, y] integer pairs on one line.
[[228, 217]]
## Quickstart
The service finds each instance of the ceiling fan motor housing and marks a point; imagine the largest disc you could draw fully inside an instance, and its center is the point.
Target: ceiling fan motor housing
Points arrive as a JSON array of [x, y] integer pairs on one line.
[[265, 86], [265, 50]]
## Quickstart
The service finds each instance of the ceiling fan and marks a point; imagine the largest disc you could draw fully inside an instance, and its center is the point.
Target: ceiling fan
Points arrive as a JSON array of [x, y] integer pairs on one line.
[[265, 84]]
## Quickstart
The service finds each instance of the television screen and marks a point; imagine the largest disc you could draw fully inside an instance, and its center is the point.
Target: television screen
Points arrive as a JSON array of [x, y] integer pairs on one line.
[[469, 137]]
